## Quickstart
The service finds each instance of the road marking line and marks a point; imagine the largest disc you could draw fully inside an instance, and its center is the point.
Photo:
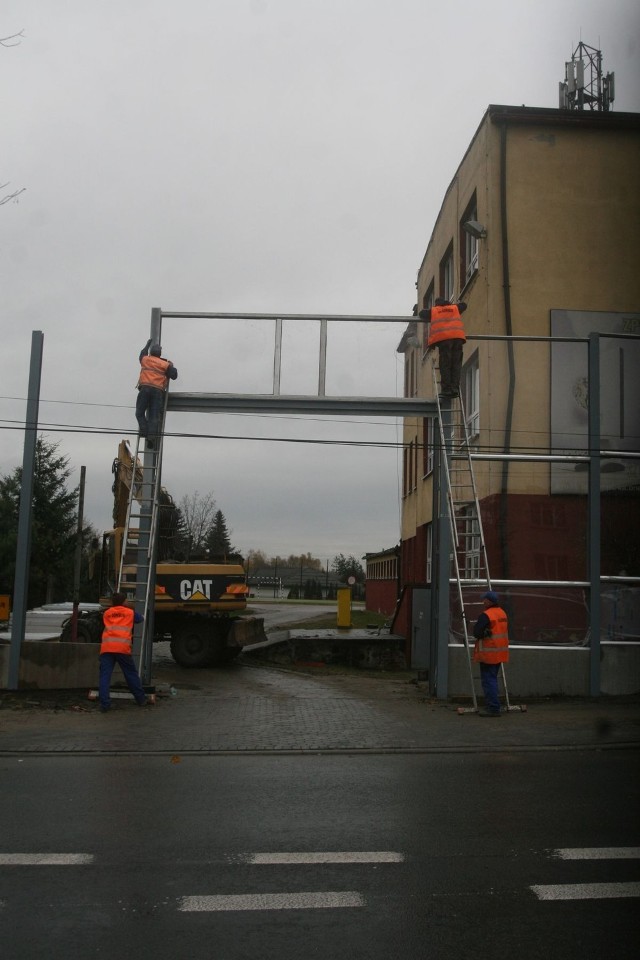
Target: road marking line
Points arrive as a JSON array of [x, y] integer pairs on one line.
[[585, 891], [272, 901], [44, 859], [322, 856], [598, 853]]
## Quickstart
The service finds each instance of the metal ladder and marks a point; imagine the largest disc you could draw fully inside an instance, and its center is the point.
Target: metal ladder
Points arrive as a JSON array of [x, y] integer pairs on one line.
[[469, 552], [140, 538]]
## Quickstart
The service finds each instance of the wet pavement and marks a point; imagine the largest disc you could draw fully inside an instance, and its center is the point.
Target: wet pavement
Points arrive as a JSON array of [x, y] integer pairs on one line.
[[251, 707]]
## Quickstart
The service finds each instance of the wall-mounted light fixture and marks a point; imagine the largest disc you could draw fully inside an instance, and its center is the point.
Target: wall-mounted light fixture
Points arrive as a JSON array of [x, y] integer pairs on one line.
[[477, 230]]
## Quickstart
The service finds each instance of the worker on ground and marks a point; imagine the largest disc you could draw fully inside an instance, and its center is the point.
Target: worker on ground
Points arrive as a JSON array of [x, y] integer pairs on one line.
[[117, 638], [154, 379], [446, 332], [491, 649]]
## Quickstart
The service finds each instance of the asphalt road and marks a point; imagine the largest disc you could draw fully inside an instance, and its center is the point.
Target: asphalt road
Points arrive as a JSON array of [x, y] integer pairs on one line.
[[43, 623], [332, 857]]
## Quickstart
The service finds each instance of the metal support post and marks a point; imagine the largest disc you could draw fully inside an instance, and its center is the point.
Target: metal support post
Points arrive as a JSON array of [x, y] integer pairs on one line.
[[440, 612], [23, 549], [78, 558], [594, 513], [322, 362], [156, 325]]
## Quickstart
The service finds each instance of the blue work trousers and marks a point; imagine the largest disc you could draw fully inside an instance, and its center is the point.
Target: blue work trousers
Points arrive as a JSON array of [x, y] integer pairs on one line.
[[128, 667], [149, 407], [489, 679]]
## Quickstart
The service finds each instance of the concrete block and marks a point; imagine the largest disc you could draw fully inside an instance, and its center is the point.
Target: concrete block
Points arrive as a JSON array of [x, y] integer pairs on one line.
[[51, 665], [553, 671]]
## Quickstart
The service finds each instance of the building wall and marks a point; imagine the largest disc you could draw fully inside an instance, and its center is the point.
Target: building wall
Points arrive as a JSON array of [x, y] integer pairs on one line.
[[381, 596], [559, 195], [572, 218]]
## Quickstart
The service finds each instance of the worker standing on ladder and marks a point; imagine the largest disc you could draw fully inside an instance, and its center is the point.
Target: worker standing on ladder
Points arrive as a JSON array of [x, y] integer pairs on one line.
[[491, 649], [117, 638], [446, 332], [154, 379]]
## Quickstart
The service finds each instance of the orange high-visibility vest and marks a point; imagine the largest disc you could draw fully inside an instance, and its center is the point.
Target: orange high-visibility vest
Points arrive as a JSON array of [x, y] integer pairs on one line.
[[494, 649], [445, 324], [117, 635], [154, 372]]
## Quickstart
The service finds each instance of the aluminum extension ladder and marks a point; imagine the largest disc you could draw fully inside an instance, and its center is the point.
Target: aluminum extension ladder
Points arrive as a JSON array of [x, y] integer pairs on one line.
[[469, 551], [140, 539]]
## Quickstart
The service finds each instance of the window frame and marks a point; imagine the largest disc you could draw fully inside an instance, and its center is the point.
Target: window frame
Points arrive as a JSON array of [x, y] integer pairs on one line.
[[470, 388], [469, 246], [447, 274]]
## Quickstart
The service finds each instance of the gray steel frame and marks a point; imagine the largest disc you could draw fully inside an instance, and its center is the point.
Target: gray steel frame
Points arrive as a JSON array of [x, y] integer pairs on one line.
[[406, 406], [356, 406]]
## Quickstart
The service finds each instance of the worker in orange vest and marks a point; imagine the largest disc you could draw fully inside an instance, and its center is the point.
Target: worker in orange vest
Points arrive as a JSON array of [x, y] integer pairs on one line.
[[117, 638], [491, 649], [155, 374], [446, 332]]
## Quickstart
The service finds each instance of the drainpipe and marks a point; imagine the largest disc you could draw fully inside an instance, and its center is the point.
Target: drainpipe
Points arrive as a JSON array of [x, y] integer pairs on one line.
[[506, 290]]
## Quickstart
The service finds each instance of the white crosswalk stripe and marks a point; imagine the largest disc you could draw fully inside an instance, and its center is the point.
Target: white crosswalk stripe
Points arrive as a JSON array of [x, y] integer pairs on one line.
[[273, 901], [590, 891], [586, 891], [321, 856], [45, 859], [598, 853]]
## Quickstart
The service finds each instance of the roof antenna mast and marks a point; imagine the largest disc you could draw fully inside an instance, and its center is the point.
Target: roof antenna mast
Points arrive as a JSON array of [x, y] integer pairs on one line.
[[584, 87]]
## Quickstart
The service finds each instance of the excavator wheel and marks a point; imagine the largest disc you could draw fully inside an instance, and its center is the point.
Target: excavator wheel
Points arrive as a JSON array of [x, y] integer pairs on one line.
[[192, 646], [84, 633]]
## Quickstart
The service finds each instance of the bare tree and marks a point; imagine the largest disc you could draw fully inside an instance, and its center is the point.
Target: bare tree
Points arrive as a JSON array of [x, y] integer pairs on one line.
[[10, 196], [196, 516], [15, 37], [11, 41]]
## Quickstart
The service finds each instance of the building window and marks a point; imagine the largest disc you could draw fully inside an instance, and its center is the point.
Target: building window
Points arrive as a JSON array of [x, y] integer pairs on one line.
[[428, 436], [470, 384], [410, 379], [413, 450], [429, 566], [470, 529], [405, 471], [409, 468], [468, 245], [446, 274]]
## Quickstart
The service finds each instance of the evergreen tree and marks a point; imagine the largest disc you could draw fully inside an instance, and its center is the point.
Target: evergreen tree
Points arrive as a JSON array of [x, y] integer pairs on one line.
[[345, 567], [53, 527], [219, 542]]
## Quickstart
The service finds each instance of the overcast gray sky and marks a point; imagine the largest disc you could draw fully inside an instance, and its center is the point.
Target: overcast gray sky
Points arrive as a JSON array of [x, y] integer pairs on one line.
[[276, 156]]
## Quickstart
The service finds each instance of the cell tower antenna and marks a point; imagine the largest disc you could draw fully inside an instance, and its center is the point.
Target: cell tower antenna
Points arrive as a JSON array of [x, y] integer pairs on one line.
[[584, 87]]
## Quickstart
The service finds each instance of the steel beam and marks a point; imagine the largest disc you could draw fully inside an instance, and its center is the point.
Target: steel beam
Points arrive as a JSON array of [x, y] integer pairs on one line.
[[268, 403]]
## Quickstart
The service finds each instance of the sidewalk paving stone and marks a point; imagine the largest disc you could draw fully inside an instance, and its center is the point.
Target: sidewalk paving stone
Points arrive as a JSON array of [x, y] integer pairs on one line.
[[252, 708]]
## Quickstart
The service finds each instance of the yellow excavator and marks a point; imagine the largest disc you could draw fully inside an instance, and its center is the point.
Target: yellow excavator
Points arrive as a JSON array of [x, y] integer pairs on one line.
[[198, 607]]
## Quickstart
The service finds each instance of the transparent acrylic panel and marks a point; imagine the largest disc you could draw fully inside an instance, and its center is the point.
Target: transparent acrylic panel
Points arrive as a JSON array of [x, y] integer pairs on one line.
[[545, 615]]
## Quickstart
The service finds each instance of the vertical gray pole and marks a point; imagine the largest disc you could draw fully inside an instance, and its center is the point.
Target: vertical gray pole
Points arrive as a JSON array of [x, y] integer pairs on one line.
[[156, 325], [23, 549], [440, 572], [78, 559], [322, 361], [594, 513], [277, 358]]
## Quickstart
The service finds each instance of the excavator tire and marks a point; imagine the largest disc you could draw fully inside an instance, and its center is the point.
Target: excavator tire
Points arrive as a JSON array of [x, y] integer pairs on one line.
[[194, 646], [85, 632]]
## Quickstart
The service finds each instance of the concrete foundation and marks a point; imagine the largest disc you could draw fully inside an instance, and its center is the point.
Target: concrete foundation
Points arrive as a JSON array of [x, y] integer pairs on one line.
[[51, 665], [553, 671], [531, 671]]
